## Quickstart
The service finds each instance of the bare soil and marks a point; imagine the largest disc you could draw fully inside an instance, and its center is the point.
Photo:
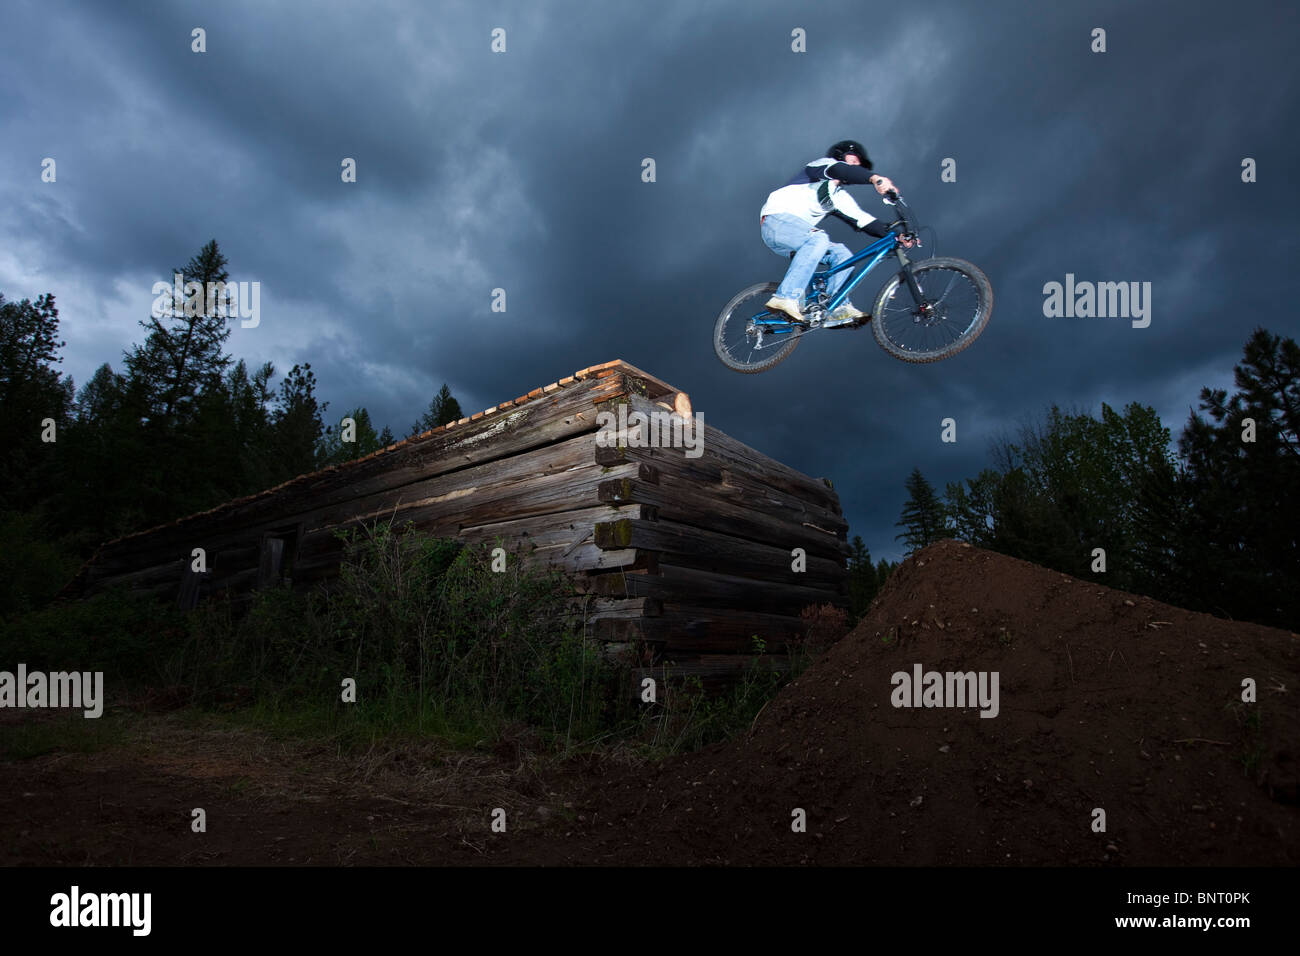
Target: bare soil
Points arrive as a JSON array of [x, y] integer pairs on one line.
[[1107, 701]]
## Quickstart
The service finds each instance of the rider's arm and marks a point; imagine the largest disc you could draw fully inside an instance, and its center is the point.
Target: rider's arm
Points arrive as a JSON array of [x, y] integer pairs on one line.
[[845, 173], [848, 210], [875, 227]]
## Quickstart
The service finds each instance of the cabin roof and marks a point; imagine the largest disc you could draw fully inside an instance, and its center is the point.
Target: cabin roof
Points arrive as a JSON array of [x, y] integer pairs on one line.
[[655, 386]]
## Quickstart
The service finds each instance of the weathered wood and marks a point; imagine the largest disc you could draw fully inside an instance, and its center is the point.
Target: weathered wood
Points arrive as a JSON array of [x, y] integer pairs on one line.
[[688, 555], [592, 610], [546, 494], [732, 485], [729, 630], [268, 568], [679, 585], [168, 570], [717, 449], [535, 424], [692, 547], [710, 665], [700, 505], [544, 536], [469, 495], [446, 505], [562, 541]]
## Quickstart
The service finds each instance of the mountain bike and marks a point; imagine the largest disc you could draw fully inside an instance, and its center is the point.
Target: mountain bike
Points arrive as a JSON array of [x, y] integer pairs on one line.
[[929, 310]]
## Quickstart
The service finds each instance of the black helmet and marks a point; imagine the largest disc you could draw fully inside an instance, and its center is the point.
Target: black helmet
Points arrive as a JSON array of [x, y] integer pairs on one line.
[[846, 146]]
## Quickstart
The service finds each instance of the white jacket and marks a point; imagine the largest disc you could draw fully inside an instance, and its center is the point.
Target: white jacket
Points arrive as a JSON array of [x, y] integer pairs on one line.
[[813, 194]]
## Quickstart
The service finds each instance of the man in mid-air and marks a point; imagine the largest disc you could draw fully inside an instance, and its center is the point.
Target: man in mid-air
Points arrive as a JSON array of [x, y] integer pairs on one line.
[[789, 225]]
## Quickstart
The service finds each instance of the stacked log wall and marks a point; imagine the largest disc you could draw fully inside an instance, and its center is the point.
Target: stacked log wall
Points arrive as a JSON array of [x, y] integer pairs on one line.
[[684, 554]]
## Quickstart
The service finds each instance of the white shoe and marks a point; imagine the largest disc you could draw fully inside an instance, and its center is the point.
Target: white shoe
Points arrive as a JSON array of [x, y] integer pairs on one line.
[[788, 307], [846, 314]]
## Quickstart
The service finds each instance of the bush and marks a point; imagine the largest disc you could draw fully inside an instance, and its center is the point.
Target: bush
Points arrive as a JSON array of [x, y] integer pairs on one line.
[[429, 632], [128, 638], [33, 567]]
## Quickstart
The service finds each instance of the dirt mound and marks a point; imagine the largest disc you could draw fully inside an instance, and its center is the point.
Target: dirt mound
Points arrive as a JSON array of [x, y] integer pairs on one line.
[[1104, 701]]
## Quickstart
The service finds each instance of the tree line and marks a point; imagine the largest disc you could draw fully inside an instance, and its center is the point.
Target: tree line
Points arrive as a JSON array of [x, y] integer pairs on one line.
[[179, 427], [1210, 524]]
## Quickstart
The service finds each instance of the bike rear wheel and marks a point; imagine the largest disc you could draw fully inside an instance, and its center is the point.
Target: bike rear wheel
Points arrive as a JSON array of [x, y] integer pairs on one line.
[[957, 301], [748, 337]]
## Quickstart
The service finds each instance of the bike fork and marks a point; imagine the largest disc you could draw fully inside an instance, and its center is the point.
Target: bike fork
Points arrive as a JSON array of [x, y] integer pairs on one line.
[[906, 270]]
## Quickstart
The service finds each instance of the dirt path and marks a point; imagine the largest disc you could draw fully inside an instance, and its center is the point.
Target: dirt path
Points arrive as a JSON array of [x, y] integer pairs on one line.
[[1106, 702], [266, 802]]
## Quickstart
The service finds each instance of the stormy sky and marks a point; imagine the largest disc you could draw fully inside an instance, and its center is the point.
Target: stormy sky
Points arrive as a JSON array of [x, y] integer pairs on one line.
[[522, 170]]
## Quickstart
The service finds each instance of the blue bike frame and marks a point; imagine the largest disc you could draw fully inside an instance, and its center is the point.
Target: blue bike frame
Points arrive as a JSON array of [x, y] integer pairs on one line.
[[876, 251]]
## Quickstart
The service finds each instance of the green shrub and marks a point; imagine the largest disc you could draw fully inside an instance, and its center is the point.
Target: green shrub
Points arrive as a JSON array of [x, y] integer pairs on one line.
[[433, 637], [128, 638], [33, 566]]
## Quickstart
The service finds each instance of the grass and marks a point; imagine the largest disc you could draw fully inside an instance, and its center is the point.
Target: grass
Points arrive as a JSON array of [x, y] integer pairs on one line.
[[441, 645], [48, 732]]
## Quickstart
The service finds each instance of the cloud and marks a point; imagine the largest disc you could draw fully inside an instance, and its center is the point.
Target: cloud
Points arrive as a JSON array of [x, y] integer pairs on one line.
[[522, 171]]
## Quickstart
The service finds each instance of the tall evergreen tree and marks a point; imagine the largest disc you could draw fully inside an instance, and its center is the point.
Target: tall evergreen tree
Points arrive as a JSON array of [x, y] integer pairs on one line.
[[862, 578], [922, 519], [442, 409], [32, 392], [183, 352], [297, 425], [1237, 543], [334, 450], [173, 381], [100, 462]]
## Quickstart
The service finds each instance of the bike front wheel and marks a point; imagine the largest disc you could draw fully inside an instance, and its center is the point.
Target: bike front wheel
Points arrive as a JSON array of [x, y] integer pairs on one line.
[[748, 337], [956, 302]]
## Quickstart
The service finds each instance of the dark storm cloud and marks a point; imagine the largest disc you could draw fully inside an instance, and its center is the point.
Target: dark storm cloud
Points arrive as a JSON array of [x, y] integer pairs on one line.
[[522, 171]]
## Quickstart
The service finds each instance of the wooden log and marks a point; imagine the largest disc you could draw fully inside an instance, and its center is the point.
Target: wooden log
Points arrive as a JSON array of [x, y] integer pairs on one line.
[[546, 540], [564, 414], [693, 586], [556, 550], [538, 482], [700, 506], [545, 495], [723, 630], [739, 488], [603, 608], [464, 504], [719, 450], [684, 546], [711, 665]]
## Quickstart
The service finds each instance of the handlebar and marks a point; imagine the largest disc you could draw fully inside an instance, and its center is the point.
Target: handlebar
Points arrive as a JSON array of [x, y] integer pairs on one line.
[[892, 198]]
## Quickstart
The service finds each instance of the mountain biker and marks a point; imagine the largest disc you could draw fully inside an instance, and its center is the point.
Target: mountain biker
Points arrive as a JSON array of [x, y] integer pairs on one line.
[[789, 225]]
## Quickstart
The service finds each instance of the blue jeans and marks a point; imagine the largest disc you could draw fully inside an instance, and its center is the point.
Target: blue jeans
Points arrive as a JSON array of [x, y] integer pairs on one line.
[[785, 234]]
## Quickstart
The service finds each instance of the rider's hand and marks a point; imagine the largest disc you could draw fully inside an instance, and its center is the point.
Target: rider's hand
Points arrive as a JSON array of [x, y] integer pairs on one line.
[[883, 184], [904, 238]]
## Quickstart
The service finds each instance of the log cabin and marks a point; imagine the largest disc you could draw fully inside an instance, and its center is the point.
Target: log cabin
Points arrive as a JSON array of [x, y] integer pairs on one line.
[[684, 542]]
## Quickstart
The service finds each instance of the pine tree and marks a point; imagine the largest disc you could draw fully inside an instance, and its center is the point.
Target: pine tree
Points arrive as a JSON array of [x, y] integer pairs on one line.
[[334, 450], [182, 353], [32, 391], [297, 425], [863, 583], [442, 409], [922, 519], [1237, 542]]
